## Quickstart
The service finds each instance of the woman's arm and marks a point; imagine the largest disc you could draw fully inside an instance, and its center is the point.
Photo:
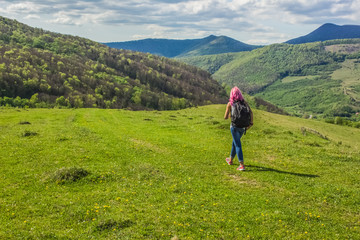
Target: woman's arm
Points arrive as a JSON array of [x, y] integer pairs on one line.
[[228, 110]]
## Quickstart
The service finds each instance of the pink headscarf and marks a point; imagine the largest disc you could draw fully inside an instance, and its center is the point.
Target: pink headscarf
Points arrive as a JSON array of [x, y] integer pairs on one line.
[[235, 95]]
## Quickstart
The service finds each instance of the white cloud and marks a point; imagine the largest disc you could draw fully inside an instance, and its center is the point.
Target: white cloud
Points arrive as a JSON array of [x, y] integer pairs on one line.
[[243, 19], [156, 32], [63, 18], [26, 7], [355, 6], [195, 7], [32, 16], [80, 18]]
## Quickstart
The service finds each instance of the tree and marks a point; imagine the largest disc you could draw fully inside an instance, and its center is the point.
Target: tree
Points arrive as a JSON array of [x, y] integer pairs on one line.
[[61, 101], [34, 99]]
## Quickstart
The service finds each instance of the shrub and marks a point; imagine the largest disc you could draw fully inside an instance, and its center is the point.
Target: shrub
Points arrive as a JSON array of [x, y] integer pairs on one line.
[[339, 121], [329, 120], [71, 174]]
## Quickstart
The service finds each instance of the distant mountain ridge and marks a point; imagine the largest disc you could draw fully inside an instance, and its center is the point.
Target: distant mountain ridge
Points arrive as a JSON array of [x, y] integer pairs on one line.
[[185, 48], [213, 45], [329, 31]]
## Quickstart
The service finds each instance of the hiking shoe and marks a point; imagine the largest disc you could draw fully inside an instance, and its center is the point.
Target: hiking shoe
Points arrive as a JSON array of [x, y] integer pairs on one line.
[[241, 168], [228, 160]]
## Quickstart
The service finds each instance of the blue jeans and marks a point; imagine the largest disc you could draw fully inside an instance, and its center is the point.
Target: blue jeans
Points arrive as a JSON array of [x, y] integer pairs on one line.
[[236, 144]]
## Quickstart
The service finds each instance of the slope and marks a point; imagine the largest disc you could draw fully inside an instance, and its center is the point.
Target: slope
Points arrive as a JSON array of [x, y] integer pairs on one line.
[[329, 31], [326, 90], [261, 67], [185, 48], [40, 68], [104, 174], [211, 63]]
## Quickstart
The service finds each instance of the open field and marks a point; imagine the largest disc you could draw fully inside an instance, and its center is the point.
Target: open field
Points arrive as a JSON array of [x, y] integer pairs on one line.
[[349, 74], [290, 79], [117, 174]]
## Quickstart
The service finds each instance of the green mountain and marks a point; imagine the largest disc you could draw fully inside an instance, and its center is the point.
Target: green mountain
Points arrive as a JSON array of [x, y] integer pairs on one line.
[[41, 68], [185, 48], [329, 31], [318, 78]]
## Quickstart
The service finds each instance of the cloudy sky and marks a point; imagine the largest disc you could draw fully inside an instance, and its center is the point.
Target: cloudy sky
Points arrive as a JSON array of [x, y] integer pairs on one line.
[[249, 21]]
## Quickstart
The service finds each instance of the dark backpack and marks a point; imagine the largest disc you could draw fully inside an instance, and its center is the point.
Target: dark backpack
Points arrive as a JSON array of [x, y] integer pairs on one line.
[[240, 114]]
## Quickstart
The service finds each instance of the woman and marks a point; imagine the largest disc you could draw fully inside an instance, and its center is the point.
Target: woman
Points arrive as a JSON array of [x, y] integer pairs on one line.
[[236, 132]]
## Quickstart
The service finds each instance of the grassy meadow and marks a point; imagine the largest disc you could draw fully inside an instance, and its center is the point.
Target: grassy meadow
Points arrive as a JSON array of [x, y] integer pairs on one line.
[[290, 79], [118, 174], [349, 74]]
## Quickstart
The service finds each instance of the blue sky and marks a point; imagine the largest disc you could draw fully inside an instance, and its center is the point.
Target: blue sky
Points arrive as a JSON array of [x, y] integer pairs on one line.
[[249, 21]]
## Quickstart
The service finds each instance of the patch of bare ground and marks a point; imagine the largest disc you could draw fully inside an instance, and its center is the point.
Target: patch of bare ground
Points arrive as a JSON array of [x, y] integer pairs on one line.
[[343, 48]]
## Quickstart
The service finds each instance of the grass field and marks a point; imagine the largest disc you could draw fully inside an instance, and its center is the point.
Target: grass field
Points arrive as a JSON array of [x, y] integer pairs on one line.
[[117, 174], [349, 76], [290, 79], [306, 95]]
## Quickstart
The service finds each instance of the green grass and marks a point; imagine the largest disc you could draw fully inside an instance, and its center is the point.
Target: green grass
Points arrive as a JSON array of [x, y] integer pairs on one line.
[[349, 76], [116, 174], [290, 79], [326, 94], [317, 96], [254, 71]]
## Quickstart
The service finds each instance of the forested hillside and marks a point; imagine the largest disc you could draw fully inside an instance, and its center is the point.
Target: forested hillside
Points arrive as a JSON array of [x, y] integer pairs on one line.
[[185, 48], [212, 63], [299, 78], [262, 67], [41, 68]]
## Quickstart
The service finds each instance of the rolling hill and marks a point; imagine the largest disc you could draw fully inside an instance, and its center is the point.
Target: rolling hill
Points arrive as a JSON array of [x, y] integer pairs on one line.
[[329, 31], [317, 78], [185, 48], [40, 69]]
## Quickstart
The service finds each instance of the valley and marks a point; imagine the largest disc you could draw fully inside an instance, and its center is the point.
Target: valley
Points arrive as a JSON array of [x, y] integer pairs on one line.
[[319, 78]]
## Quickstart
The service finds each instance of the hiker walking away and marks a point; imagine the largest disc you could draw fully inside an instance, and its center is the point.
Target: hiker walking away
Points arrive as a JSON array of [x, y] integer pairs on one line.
[[241, 120]]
